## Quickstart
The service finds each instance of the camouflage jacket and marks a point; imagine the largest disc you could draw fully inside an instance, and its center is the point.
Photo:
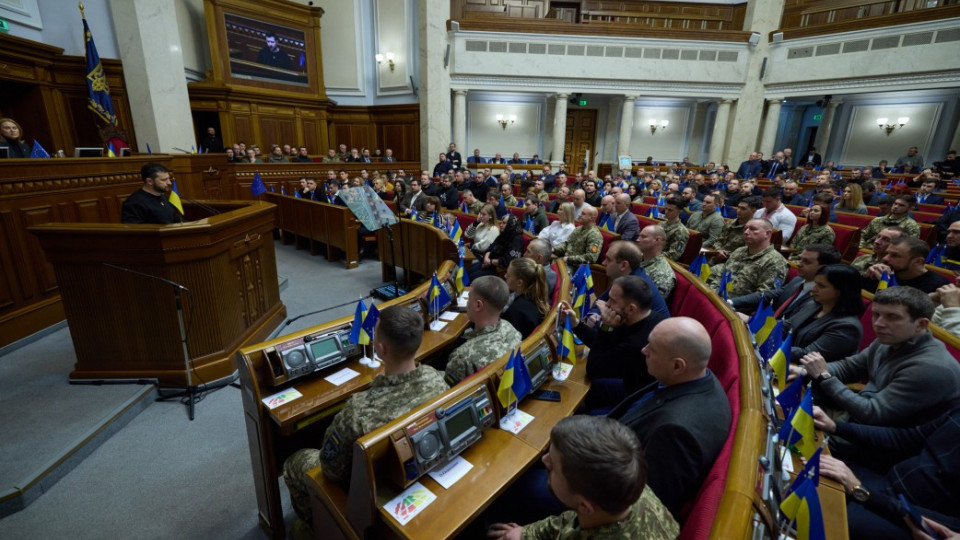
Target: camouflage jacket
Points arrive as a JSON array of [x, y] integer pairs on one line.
[[809, 235], [878, 224], [730, 237], [387, 398], [482, 348], [582, 246], [475, 207], [865, 261], [661, 273], [648, 519], [677, 237], [751, 273], [709, 227]]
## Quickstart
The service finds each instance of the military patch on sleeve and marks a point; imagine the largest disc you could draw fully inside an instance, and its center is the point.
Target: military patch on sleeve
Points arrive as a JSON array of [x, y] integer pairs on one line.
[[594, 249], [331, 447]]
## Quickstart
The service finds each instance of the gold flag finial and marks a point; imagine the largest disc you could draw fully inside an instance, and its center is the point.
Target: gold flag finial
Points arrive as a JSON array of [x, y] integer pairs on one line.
[[82, 15]]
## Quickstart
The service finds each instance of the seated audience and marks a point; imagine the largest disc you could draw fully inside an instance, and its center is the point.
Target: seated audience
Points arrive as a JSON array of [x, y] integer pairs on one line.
[[830, 324], [302, 156], [413, 200], [919, 463], [626, 319], [597, 469], [926, 195], [557, 232], [429, 212], [584, 243], [333, 195], [851, 201], [707, 220], [534, 216], [276, 155], [473, 206], [905, 260], [651, 242], [403, 386], [539, 250], [682, 421], [898, 216], [624, 258], [754, 267], [563, 195], [910, 376], [791, 194], [880, 245], [506, 194], [529, 297], [251, 156], [677, 234], [777, 214], [483, 231], [508, 245], [490, 337], [795, 294], [731, 235], [815, 231]]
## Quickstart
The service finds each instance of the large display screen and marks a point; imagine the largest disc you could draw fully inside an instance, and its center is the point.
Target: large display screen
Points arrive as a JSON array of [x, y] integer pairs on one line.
[[263, 51]]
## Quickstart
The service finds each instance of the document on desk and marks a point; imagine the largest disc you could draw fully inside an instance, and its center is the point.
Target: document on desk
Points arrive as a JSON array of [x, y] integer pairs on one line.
[[278, 399], [341, 376], [437, 326], [411, 502], [515, 421], [448, 316], [561, 371], [453, 471]]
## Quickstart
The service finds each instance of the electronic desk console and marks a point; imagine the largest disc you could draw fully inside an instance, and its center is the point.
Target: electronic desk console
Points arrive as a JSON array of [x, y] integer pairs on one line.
[[434, 439], [301, 356]]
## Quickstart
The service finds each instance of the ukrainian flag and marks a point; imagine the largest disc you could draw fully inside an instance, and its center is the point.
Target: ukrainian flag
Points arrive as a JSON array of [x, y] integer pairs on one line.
[[283, 189], [700, 268], [356, 333], [607, 224], [781, 360], [515, 382], [505, 390], [790, 398], [461, 278], [803, 507], [455, 232], [886, 280], [110, 150], [798, 430], [98, 100], [529, 225], [438, 296], [174, 198], [726, 283], [567, 350], [762, 322]]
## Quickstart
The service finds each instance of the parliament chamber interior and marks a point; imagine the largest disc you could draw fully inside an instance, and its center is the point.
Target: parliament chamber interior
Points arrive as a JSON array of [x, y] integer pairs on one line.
[[480, 269]]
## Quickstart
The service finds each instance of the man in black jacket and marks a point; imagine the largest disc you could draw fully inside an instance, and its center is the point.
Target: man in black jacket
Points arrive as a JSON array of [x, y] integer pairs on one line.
[[447, 193], [684, 420]]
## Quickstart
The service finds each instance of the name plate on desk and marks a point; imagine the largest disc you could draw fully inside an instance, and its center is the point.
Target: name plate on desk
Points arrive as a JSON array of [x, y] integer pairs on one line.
[[437, 437]]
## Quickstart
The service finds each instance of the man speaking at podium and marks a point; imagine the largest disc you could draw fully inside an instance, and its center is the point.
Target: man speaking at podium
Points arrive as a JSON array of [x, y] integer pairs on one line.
[[149, 204]]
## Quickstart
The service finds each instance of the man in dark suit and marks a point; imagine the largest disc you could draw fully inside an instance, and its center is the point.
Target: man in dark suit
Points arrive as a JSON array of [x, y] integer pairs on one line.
[[476, 158], [811, 157], [926, 195], [454, 157], [624, 222], [751, 167], [414, 200], [775, 166], [683, 421], [793, 296]]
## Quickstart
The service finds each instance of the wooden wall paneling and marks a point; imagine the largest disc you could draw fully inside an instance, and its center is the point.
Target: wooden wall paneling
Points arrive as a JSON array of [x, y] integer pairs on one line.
[[311, 137], [46, 281], [9, 277], [277, 130]]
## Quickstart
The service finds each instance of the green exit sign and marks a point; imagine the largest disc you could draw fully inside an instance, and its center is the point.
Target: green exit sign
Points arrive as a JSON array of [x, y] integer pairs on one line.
[[582, 103], [818, 117]]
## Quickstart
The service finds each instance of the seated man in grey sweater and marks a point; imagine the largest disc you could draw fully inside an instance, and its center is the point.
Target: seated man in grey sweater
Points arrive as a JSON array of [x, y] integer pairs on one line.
[[910, 376]]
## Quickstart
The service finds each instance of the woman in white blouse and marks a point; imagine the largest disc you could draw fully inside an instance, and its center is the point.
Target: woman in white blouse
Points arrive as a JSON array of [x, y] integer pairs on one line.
[[483, 231], [558, 231]]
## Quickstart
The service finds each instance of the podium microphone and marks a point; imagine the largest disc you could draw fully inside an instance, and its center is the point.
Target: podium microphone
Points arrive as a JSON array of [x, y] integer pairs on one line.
[[151, 276], [207, 207], [181, 150]]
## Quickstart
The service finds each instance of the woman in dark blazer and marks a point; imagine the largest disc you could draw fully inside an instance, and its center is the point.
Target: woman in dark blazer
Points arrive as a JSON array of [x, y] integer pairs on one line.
[[830, 324], [507, 246]]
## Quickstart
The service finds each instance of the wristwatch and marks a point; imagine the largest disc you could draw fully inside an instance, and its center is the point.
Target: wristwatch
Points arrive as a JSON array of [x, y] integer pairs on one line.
[[823, 376], [860, 494]]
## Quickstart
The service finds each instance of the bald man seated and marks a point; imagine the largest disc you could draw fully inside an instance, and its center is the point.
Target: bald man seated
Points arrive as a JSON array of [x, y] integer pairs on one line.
[[683, 421]]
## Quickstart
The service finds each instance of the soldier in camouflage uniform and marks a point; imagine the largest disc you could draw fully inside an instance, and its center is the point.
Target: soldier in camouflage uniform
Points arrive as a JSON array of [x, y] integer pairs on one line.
[[898, 216], [402, 387], [707, 221], [880, 245], [584, 243], [815, 231], [471, 202], [651, 242], [731, 235], [583, 448], [756, 266], [677, 234], [490, 338]]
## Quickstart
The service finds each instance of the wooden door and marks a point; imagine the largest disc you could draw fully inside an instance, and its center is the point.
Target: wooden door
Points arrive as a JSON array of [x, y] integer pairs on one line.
[[580, 139]]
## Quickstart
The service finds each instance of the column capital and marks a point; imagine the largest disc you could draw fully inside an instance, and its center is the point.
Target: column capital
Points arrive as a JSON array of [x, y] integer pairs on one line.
[[775, 100], [726, 101], [460, 92], [560, 95], [631, 97]]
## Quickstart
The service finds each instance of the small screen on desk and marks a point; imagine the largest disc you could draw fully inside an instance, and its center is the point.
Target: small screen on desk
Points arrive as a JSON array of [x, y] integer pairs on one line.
[[459, 424], [534, 366], [324, 348]]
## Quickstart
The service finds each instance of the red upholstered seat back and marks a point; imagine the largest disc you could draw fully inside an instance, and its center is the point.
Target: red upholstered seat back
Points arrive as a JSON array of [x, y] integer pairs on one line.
[[846, 240], [697, 517], [608, 238], [855, 220], [517, 212]]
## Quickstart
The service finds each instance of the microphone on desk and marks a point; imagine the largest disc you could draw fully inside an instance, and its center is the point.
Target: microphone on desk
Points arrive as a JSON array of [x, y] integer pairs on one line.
[[181, 150], [144, 274], [207, 207]]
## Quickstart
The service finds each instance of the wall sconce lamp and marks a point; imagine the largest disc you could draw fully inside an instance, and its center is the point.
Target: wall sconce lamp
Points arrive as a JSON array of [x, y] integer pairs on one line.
[[504, 120], [882, 123], [389, 56], [654, 125]]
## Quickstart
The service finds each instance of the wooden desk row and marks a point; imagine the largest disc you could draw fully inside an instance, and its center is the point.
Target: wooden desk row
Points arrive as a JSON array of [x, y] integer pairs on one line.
[[320, 224]]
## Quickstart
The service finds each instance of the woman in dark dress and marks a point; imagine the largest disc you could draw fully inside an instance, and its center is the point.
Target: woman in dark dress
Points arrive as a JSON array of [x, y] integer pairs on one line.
[[507, 246], [528, 289], [11, 138], [830, 325]]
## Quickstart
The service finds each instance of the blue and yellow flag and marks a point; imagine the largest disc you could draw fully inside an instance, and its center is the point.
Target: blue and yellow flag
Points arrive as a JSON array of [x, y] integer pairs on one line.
[[501, 208], [700, 268], [111, 152], [790, 398], [763, 324], [257, 188], [726, 283], [799, 431], [529, 225], [437, 296], [935, 257], [886, 280], [653, 213], [461, 279], [174, 198], [356, 333], [99, 100], [283, 189], [437, 221], [802, 506], [583, 275], [781, 360], [296, 193], [464, 208], [455, 232], [567, 349], [607, 223], [505, 390], [370, 319]]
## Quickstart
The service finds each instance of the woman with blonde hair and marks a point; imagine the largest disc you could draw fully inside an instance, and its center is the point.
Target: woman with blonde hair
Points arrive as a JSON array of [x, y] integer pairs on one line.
[[529, 302], [11, 138], [653, 188], [483, 231], [557, 232], [851, 201]]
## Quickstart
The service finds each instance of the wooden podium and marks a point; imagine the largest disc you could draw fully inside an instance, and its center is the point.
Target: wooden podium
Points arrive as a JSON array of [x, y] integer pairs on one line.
[[125, 326]]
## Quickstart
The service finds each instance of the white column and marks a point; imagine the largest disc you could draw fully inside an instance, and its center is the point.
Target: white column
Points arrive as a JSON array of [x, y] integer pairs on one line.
[[611, 131], [695, 152], [559, 130], [626, 126], [955, 143], [719, 139], [460, 119], [435, 109], [153, 72], [770, 125], [826, 126]]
